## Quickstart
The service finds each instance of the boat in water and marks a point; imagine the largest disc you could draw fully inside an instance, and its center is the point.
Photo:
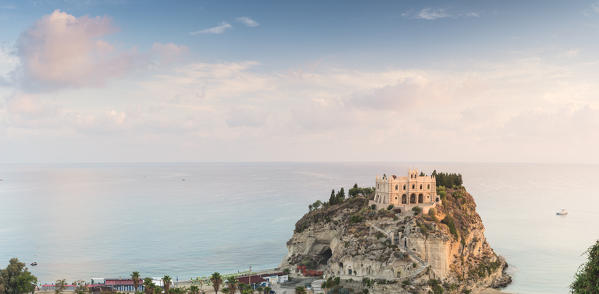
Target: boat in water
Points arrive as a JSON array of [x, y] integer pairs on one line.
[[34, 263], [562, 212]]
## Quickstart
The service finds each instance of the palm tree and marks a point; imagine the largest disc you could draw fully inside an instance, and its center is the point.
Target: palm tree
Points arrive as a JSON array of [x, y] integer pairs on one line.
[[135, 278], [245, 289], [59, 286], [167, 283], [233, 283], [216, 280], [148, 286]]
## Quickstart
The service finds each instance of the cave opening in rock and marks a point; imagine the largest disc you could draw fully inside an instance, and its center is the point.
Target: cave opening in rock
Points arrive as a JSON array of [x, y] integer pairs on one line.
[[325, 255]]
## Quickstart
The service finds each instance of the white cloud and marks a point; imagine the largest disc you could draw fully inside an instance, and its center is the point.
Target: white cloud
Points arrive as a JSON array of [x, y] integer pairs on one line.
[[61, 50], [239, 111], [247, 21], [219, 29], [432, 13]]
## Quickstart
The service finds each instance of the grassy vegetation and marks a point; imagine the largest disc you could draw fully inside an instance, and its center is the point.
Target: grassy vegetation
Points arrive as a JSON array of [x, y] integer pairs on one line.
[[436, 286], [448, 220], [416, 210]]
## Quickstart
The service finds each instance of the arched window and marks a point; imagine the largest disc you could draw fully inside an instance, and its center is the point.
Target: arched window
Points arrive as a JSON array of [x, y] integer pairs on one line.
[[420, 198], [412, 198], [404, 199], [396, 187], [428, 186], [404, 187], [413, 186], [420, 186]]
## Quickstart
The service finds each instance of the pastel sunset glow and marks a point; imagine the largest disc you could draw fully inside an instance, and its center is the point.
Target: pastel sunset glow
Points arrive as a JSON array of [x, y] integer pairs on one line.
[[133, 81]]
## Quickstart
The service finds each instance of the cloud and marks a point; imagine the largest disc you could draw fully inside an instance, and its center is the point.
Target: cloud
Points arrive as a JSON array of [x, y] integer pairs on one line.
[[219, 29], [62, 51], [247, 21], [432, 14], [169, 52], [8, 63], [510, 110]]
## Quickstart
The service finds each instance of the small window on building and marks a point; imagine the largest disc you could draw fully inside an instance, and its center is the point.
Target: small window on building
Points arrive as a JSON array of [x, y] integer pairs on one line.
[[428, 186], [404, 187], [396, 187], [413, 186], [420, 186]]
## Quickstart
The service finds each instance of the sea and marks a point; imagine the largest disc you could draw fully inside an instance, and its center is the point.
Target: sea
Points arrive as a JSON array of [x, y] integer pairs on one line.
[[105, 220]]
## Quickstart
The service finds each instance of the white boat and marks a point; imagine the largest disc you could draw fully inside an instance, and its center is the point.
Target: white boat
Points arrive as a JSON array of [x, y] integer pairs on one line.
[[562, 212]]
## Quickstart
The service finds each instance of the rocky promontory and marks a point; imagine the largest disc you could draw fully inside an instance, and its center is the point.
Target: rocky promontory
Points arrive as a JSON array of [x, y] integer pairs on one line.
[[391, 250]]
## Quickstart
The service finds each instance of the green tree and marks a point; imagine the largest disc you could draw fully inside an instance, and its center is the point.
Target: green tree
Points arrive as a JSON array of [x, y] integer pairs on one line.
[[316, 204], [59, 286], [354, 191], [586, 280], [300, 290], [148, 285], [166, 280], [333, 199], [216, 280], [245, 289], [232, 283], [340, 195], [193, 289], [135, 278], [266, 290], [16, 279]]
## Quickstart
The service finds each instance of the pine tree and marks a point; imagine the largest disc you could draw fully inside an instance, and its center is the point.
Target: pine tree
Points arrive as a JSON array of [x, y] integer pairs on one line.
[[332, 199], [340, 195]]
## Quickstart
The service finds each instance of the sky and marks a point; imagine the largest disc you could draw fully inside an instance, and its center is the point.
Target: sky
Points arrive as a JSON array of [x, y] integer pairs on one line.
[[179, 81]]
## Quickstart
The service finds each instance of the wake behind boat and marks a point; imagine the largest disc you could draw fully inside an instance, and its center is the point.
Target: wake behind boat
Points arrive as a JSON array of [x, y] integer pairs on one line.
[[562, 212]]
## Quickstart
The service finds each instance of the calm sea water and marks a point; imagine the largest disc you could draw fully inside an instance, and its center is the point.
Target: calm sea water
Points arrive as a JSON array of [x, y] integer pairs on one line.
[[106, 220]]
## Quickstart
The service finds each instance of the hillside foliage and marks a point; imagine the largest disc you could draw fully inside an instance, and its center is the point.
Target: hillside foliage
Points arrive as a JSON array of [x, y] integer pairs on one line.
[[447, 179], [586, 280]]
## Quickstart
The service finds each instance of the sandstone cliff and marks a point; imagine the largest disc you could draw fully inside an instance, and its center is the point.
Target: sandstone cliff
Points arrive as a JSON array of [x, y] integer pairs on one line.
[[390, 250]]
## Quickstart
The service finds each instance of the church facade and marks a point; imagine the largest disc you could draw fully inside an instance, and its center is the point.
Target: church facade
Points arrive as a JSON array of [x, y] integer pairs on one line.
[[413, 190]]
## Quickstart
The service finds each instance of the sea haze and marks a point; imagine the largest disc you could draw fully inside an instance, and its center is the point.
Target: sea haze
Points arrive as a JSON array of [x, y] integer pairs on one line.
[[106, 220]]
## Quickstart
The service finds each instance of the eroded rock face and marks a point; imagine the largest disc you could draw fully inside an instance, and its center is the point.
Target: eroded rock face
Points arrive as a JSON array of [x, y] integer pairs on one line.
[[403, 251]]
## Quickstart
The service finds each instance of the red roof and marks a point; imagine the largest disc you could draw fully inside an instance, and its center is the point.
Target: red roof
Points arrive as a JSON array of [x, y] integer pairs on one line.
[[118, 282]]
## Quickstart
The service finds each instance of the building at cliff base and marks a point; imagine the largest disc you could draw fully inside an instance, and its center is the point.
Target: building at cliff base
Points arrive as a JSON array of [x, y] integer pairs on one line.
[[416, 189]]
